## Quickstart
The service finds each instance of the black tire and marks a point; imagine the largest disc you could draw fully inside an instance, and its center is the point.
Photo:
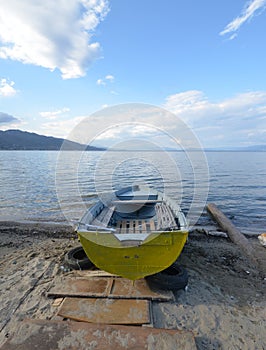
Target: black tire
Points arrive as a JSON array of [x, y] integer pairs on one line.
[[76, 259], [174, 278]]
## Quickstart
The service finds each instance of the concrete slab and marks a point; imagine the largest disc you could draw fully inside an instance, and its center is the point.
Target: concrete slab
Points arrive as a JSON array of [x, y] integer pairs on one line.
[[54, 335]]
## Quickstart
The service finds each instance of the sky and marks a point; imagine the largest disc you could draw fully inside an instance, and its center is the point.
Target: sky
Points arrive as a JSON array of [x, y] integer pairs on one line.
[[203, 61]]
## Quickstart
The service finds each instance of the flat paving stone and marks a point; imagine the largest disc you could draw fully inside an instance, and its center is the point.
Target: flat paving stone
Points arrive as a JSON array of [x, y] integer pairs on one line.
[[62, 335]]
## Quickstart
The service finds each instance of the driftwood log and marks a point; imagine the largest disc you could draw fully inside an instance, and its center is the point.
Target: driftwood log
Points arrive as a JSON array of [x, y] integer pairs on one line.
[[235, 235]]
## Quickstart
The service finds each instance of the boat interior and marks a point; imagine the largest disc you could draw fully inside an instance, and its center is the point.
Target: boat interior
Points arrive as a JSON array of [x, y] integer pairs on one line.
[[134, 211]]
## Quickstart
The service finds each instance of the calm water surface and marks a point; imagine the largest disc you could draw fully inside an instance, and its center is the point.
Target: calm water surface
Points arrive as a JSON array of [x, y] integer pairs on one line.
[[50, 187]]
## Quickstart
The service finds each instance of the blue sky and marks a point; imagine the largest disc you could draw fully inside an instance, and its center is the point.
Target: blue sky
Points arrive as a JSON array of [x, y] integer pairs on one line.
[[61, 61]]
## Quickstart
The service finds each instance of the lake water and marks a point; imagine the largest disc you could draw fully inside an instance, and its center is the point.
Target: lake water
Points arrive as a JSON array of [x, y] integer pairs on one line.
[[50, 186]]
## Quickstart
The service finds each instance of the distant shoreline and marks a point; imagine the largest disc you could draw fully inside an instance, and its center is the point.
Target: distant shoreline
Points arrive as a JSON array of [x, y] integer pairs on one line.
[[55, 150], [138, 150]]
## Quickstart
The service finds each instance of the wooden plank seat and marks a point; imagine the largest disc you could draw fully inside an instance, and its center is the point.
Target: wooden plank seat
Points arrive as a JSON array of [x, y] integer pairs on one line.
[[104, 217], [135, 226], [165, 217]]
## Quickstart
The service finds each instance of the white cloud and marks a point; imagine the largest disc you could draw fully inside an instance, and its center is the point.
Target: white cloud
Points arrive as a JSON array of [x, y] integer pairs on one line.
[[54, 114], [100, 82], [250, 9], [239, 120], [107, 79], [122, 132], [136, 121], [58, 128], [51, 34], [110, 134], [235, 121], [190, 105], [185, 101], [114, 92], [7, 88], [110, 78], [222, 123]]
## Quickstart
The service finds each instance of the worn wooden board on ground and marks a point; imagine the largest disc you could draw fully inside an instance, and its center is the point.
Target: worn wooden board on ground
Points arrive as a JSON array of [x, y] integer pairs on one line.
[[56, 335], [81, 287], [109, 311], [107, 288], [138, 289]]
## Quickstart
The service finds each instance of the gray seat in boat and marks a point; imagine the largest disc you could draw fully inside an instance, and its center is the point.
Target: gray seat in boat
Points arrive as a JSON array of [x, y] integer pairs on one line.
[[104, 217]]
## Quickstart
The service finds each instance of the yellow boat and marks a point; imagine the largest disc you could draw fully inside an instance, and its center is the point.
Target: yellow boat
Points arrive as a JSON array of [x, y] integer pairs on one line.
[[133, 232]]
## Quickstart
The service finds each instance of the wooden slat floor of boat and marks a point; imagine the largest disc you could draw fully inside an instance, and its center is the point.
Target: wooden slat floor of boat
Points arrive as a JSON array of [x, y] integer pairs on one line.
[[143, 226], [165, 219], [107, 311], [124, 226], [135, 226], [165, 216], [61, 335], [152, 225]]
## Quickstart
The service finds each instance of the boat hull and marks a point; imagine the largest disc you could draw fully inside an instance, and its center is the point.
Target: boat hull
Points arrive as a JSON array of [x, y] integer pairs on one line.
[[153, 255]]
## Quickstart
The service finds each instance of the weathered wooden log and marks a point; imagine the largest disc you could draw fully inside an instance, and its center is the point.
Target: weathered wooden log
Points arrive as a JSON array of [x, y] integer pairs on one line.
[[234, 234]]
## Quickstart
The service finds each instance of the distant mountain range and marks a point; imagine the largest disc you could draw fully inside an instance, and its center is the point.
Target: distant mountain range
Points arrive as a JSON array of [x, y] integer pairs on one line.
[[255, 148], [23, 140]]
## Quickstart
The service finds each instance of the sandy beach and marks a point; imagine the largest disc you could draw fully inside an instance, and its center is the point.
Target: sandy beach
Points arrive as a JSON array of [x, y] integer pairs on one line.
[[224, 304]]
